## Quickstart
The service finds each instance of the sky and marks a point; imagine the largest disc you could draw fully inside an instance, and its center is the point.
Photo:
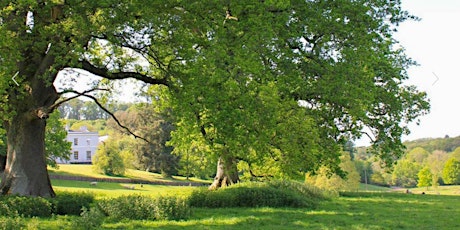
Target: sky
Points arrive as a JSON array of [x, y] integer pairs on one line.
[[434, 43]]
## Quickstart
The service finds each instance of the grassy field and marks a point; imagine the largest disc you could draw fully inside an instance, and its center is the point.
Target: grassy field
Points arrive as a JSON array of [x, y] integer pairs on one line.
[[361, 210], [87, 171], [371, 207]]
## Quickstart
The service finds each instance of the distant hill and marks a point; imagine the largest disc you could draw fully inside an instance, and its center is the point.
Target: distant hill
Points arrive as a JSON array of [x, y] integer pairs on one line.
[[447, 144]]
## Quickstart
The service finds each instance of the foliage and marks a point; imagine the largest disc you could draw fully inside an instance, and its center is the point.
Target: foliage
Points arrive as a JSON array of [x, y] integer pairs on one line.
[[425, 177], [446, 144], [71, 203], [56, 144], [108, 160], [11, 223], [417, 155], [256, 194], [405, 173], [262, 88], [155, 127], [91, 218], [136, 207], [451, 171], [324, 180], [25, 206], [78, 109]]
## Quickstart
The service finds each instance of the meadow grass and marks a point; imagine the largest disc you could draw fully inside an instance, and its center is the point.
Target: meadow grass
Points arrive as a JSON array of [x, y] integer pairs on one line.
[[369, 207], [88, 171], [107, 189], [357, 210]]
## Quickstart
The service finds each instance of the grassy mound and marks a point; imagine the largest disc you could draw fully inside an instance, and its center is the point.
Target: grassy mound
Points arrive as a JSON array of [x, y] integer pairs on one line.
[[256, 194]]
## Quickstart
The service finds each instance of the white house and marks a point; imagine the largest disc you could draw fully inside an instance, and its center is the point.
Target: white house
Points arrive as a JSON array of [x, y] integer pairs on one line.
[[84, 146]]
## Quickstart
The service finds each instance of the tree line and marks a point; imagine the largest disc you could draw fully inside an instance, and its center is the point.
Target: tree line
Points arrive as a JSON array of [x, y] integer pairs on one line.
[[418, 167]]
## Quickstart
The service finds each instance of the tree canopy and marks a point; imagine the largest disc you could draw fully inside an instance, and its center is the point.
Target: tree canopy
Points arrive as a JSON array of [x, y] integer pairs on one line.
[[279, 84]]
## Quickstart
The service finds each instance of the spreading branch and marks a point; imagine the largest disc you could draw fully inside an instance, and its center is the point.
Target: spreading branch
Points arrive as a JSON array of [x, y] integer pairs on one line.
[[85, 94], [77, 94], [105, 73]]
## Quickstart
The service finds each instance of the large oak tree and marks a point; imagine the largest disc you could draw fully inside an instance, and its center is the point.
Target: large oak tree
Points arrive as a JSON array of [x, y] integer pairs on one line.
[[282, 85], [276, 84]]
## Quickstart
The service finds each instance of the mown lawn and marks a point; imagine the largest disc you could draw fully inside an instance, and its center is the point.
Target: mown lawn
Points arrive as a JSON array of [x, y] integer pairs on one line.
[[106, 189], [87, 171]]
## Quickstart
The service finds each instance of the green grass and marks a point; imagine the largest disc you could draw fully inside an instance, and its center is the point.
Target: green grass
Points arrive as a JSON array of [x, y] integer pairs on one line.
[[356, 211], [373, 188], [106, 189], [87, 171]]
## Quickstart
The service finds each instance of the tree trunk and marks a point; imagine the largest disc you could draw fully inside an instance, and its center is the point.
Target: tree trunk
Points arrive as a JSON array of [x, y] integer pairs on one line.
[[227, 173], [25, 171]]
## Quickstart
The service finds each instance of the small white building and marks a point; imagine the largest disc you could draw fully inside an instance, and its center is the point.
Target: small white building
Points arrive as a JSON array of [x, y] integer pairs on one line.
[[84, 146]]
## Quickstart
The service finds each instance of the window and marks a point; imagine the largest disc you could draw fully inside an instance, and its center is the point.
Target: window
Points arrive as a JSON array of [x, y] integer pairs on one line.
[[75, 141], [88, 142], [75, 155], [88, 155]]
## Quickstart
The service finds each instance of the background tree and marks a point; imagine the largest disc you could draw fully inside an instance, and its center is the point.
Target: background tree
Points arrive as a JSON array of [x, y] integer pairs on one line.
[[56, 144], [405, 173], [425, 177], [108, 159], [436, 161], [152, 154], [451, 171], [335, 182], [417, 155]]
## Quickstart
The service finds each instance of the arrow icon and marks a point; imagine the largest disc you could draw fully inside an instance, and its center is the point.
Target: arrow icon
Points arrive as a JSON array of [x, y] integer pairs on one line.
[[437, 78], [16, 74]]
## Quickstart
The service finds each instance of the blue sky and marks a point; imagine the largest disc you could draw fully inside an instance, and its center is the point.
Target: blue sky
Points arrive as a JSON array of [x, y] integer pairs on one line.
[[434, 42]]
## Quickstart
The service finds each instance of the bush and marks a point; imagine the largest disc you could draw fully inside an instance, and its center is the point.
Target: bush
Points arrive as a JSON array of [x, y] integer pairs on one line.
[[254, 194], [135, 207], [25, 206], [12, 223], [68, 203], [89, 219], [171, 208]]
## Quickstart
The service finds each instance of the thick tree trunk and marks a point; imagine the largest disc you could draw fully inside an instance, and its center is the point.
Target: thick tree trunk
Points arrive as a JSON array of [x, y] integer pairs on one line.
[[227, 173], [25, 171]]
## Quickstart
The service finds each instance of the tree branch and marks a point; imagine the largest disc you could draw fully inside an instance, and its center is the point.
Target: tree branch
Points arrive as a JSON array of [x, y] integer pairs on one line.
[[85, 94], [78, 94], [105, 73]]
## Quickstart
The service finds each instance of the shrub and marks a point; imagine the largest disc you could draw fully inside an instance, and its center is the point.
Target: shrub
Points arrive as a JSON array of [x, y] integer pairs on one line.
[[68, 203], [25, 206], [135, 207], [255, 194], [171, 208], [11, 223], [89, 219]]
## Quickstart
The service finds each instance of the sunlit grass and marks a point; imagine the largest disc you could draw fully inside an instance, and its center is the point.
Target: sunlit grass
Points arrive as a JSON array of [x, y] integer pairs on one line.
[[88, 171], [106, 189]]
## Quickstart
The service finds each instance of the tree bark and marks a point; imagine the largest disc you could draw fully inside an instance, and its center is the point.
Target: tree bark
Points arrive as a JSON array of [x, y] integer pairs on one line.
[[227, 173], [25, 171]]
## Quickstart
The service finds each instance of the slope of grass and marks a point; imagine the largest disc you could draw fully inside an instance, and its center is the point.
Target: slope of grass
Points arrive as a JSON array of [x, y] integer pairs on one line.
[[106, 189], [87, 171]]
